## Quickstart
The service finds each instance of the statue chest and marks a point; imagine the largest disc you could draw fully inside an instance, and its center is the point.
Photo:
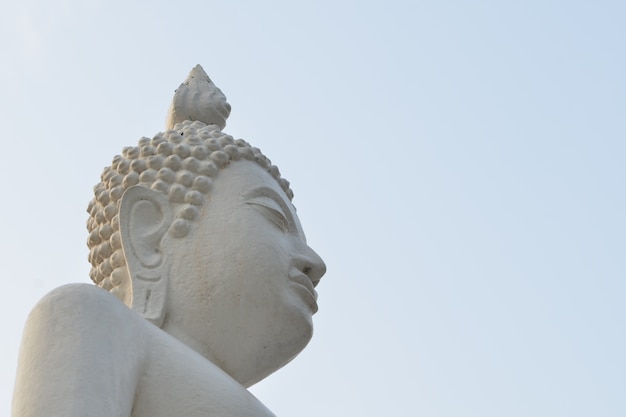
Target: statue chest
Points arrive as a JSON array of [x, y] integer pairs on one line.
[[183, 383]]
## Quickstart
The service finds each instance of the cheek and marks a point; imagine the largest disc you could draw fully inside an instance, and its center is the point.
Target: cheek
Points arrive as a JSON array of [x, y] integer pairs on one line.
[[263, 278], [261, 256], [262, 243]]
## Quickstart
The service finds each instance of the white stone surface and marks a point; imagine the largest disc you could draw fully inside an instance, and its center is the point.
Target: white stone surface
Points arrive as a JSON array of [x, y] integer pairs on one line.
[[220, 285], [198, 99]]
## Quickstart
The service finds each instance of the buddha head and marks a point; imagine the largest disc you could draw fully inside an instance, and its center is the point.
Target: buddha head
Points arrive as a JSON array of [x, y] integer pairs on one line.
[[196, 232]]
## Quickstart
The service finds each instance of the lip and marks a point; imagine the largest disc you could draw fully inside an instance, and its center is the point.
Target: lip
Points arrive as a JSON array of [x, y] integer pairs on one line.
[[304, 282]]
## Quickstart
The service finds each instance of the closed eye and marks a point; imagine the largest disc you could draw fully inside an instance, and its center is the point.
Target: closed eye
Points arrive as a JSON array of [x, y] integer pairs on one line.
[[273, 206], [270, 210], [275, 217]]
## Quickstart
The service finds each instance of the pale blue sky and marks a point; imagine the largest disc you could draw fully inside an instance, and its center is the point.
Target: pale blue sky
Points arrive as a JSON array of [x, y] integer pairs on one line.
[[459, 166]]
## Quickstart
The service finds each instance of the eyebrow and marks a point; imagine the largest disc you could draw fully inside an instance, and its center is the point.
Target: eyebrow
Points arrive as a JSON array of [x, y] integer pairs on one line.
[[276, 197]]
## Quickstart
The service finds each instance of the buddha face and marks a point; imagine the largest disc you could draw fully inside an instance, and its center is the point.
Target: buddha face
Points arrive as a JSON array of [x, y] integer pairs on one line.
[[241, 285]]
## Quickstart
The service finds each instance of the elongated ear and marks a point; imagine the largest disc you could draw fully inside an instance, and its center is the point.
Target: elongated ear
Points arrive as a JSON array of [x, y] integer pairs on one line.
[[145, 217]]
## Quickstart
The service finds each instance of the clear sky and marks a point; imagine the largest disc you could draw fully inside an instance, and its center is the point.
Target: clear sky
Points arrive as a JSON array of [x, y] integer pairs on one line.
[[458, 165]]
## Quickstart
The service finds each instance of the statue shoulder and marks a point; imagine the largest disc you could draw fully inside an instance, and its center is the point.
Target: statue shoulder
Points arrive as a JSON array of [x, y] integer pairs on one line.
[[76, 292], [81, 335], [83, 305]]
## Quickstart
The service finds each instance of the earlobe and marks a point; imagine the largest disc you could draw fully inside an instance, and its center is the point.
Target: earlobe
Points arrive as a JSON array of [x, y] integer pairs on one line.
[[145, 217]]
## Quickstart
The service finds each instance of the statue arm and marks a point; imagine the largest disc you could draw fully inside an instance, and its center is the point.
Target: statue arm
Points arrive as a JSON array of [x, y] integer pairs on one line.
[[76, 358]]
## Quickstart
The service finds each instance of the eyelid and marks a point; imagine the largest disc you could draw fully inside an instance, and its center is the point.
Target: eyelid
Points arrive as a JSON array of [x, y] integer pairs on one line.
[[273, 206]]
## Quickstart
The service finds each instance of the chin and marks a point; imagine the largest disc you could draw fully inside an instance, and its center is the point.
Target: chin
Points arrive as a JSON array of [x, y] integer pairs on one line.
[[300, 334], [280, 350]]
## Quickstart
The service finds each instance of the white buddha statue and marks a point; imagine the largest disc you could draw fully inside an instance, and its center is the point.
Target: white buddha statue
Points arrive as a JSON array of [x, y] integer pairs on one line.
[[205, 282]]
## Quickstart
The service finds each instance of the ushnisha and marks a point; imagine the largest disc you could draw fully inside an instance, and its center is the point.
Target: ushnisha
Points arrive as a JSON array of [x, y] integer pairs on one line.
[[209, 280]]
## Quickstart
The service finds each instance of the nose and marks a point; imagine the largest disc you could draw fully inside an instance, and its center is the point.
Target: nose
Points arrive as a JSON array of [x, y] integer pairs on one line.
[[311, 265]]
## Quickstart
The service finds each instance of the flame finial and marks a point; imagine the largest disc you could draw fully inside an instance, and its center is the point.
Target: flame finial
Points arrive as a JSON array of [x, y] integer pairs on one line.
[[198, 99]]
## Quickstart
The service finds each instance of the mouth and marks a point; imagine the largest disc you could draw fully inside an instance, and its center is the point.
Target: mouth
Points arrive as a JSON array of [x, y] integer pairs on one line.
[[304, 283]]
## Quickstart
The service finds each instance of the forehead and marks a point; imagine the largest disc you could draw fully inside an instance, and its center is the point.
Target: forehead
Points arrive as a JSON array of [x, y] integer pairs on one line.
[[238, 182], [243, 178]]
